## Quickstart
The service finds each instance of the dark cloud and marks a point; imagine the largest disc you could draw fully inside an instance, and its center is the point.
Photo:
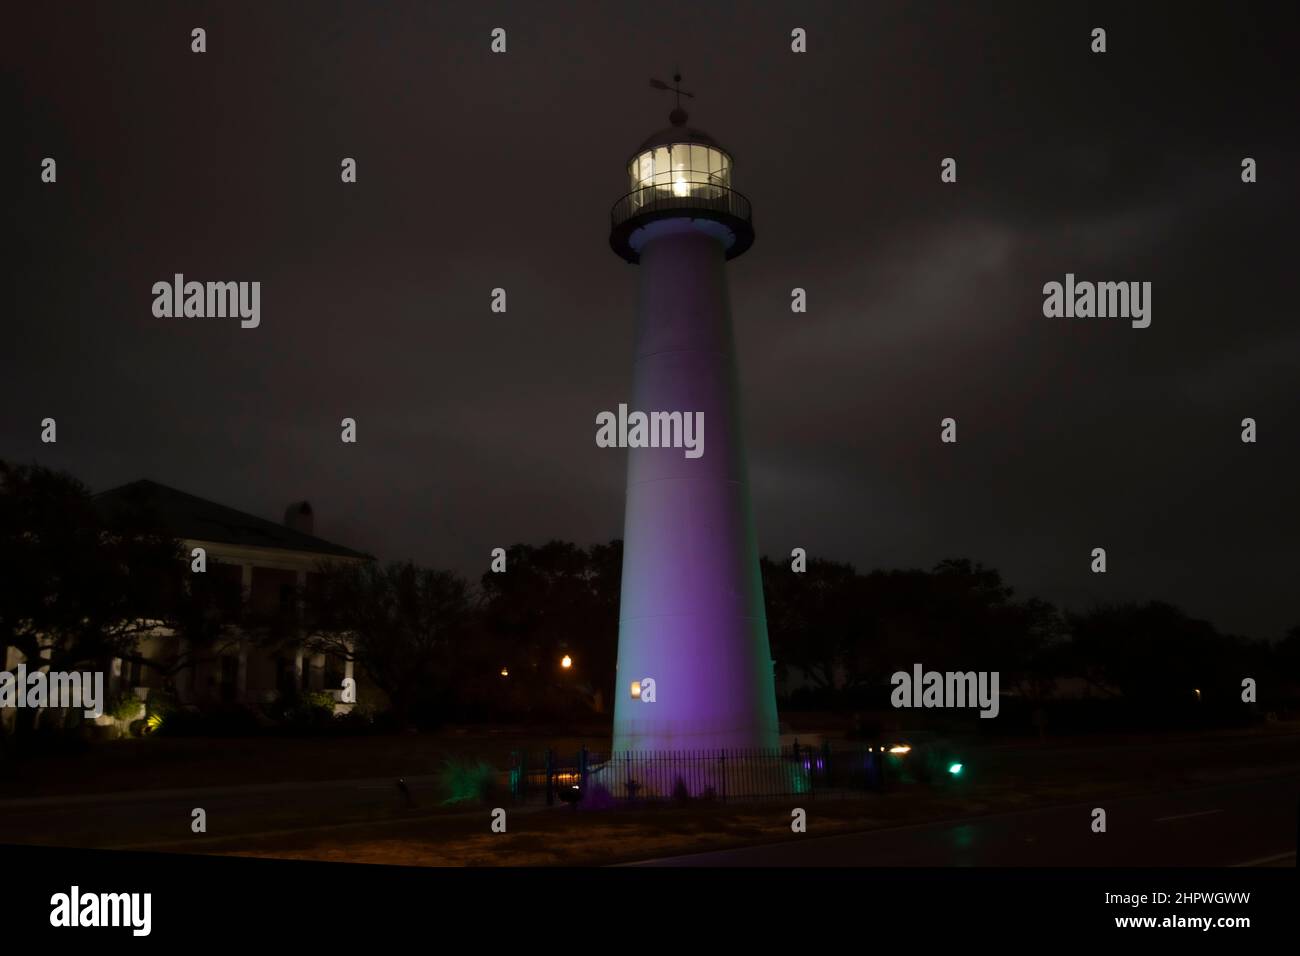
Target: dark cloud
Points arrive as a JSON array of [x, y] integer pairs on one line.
[[478, 171]]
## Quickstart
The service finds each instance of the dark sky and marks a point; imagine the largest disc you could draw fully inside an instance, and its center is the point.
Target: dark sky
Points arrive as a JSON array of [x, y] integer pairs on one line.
[[477, 430]]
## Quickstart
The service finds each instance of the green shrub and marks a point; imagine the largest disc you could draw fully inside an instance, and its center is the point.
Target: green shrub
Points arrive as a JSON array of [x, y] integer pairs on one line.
[[160, 704], [126, 707], [467, 781], [319, 700]]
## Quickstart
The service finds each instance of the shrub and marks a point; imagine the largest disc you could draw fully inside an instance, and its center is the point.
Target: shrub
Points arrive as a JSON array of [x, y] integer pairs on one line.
[[319, 700], [126, 707], [226, 720], [160, 704], [301, 711], [466, 781]]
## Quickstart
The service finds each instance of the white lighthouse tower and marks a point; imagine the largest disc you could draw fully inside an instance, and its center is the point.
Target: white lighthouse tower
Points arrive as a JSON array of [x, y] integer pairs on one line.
[[692, 625]]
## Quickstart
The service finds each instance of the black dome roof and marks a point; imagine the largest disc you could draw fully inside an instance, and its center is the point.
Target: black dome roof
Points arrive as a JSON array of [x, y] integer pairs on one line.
[[672, 135]]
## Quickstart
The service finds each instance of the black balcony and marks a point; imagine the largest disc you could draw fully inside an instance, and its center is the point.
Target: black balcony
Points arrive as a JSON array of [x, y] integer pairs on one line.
[[704, 201]]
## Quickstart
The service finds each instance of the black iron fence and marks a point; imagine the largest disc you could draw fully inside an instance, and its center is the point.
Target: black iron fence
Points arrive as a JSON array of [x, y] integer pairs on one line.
[[597, 779]]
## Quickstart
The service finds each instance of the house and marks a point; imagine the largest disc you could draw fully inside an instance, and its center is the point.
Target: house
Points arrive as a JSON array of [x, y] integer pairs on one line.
[[266, 566]]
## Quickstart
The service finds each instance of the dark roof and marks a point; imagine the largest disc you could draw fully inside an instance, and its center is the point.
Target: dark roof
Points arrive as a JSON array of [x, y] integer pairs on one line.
[[673, 135], [187, 516]]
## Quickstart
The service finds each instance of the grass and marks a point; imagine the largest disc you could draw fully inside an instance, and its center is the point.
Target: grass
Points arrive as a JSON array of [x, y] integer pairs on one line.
[[167, 763]]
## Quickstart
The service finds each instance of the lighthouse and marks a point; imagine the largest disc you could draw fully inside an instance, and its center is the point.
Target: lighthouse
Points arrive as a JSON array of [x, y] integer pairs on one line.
[[694, 665]]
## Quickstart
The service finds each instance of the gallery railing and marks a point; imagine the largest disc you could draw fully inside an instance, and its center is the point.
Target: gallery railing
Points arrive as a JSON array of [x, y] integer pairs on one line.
[[662, 198]]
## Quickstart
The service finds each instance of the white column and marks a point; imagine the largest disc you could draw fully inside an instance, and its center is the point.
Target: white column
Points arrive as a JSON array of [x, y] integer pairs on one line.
[[350, 674]]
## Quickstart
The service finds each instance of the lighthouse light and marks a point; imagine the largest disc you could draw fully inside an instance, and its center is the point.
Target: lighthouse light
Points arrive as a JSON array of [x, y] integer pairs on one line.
[[682, 169]]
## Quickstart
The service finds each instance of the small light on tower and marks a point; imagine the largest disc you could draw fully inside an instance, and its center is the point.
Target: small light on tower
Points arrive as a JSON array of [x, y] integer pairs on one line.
[[505, 672]]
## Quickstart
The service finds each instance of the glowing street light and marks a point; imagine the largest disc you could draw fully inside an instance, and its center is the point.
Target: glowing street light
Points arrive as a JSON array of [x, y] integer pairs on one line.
[[566, 661], [505, 672]]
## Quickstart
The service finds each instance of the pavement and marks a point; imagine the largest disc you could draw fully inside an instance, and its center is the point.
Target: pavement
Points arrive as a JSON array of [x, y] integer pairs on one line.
[[1244, 823]]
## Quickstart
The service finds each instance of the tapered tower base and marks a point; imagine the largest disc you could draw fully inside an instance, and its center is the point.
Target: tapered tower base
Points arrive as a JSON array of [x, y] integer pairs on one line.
[[692, 623]]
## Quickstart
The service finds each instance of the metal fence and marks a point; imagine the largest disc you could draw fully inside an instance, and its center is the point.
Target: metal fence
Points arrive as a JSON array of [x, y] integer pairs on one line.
[[658, 198], [711, 775]]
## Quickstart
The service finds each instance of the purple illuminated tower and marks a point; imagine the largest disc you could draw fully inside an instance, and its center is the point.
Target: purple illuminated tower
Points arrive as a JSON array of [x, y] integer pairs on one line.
[[691, 618]]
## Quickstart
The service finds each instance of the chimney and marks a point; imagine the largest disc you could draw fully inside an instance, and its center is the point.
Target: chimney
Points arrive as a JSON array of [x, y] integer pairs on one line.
[[298, 516]]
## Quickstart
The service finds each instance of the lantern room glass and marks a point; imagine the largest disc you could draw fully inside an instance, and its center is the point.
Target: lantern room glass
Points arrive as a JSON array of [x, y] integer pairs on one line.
[[679, 170]]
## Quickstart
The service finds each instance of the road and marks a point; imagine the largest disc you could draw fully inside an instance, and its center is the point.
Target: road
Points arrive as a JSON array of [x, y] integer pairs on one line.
[[1245, 823], [149, 819], [1246, 814]]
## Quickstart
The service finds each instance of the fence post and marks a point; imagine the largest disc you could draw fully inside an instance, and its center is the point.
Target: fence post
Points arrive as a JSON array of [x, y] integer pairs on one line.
[[550, 777], [812, 772], [722, 766], [582, 771]]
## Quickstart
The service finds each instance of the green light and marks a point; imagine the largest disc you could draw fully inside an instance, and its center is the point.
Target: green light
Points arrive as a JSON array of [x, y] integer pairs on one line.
[[955, 769]]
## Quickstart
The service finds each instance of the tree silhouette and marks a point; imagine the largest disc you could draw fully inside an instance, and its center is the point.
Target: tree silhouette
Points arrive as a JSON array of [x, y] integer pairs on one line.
[[79, 586], [404, 624]]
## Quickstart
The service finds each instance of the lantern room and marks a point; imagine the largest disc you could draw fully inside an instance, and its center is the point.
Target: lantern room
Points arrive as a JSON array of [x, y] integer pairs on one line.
[[680, 173], [684, 168]]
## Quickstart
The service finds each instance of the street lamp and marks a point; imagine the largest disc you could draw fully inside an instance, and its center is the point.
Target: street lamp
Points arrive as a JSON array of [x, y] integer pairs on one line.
[[566, 662]]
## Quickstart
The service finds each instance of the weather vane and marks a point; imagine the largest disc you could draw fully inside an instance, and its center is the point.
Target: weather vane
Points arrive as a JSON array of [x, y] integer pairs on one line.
[[678, 115]]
